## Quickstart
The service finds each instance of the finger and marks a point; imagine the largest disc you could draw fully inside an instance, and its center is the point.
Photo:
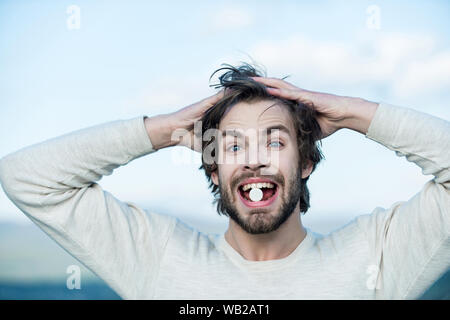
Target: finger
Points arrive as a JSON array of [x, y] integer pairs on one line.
[[275, 83], [284, 93], [212, 100]]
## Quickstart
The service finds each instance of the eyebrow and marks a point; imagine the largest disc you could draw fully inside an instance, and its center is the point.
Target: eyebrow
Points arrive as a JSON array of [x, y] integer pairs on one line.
[[268, 131], [278, 127]]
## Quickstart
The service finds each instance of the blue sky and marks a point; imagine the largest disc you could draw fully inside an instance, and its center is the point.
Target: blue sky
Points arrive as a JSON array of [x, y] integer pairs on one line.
[[131, 58]]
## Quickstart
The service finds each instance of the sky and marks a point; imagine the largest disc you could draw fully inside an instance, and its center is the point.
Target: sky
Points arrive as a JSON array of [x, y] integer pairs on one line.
[[67, 65]]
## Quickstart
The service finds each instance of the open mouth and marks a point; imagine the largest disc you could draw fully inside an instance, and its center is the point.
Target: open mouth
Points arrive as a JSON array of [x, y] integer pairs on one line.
[[269, 193]]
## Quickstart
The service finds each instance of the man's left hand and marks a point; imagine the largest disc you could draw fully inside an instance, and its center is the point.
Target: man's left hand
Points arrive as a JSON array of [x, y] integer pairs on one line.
[[333, 112]]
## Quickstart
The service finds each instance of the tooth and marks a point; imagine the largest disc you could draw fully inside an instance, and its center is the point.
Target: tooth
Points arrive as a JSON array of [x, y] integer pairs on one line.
[[258, 185]]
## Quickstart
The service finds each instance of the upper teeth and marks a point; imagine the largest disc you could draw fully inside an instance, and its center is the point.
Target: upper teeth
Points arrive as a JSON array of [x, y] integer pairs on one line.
[[245, 187]]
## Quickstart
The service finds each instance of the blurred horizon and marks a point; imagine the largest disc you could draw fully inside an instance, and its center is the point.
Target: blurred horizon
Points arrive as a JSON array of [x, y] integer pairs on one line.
[[27, 273]]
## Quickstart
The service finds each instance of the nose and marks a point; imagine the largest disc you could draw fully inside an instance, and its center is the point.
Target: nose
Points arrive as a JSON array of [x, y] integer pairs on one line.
[[254, 167], [259, 159], [256, 159], [260, 167]]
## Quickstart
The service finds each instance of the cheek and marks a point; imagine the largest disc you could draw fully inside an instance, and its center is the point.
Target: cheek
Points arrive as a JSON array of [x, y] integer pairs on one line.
[[283, 162], [225, 179], [224, 173]]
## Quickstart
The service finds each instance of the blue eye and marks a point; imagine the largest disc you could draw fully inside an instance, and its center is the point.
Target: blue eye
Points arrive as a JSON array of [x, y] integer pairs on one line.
[[277, 144], [234, 148]]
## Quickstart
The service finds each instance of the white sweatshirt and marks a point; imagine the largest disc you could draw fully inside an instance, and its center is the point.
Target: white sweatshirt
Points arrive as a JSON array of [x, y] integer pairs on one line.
[[394, 253]]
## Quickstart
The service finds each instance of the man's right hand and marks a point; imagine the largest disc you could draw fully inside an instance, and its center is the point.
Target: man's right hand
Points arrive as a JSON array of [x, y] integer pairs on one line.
[[177, 128]]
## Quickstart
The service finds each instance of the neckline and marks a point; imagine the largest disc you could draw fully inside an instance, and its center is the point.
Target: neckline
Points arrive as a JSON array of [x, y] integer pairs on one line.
[[265, 265]]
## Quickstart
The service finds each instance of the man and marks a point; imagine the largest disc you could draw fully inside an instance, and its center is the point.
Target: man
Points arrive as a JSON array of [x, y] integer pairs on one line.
[[258, 165]]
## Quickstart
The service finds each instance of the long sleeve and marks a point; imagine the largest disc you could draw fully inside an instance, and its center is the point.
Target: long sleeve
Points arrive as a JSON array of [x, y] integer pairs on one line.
[[411, 239], [53, 183]]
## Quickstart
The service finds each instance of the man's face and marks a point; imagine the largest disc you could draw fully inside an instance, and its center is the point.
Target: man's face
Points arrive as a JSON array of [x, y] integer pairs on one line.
[[251, 155]]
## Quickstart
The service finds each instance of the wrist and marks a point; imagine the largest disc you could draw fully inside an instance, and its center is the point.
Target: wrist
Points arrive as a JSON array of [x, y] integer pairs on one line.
[[360, 113], [159, 129]]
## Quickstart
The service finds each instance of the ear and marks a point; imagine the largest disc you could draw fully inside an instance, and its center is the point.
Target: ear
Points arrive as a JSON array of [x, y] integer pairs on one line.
[[307, 171], [215, 178]]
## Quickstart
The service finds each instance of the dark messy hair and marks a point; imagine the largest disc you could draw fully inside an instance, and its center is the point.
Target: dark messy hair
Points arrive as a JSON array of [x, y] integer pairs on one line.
[[239, 87]]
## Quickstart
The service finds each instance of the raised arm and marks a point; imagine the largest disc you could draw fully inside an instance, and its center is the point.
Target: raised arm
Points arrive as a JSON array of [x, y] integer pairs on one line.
[[412, 238], [410, 241], [54, 184]]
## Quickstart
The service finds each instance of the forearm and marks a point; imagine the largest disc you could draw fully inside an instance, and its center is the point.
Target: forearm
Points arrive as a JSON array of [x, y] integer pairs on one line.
[[412, 236], [424, 139], [52, 183], [73, 160], [159, 129], [360, 114]]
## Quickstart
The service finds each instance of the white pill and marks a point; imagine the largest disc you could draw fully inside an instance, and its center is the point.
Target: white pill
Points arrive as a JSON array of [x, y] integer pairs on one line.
[[256, 194]]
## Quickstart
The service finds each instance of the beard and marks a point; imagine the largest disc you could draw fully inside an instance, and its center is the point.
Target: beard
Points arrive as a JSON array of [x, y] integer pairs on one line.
[[260, 220]]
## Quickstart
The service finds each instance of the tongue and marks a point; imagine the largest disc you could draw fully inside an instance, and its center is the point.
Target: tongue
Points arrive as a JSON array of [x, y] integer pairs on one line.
[[267, 193]]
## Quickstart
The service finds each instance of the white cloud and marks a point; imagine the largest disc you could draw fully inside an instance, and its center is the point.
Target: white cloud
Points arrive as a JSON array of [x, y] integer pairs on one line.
[[407, 64], [231, 18], [168, 93], [428, 75]]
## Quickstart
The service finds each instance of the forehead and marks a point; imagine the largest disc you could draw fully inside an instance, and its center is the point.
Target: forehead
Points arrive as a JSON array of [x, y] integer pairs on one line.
[[260, 114]]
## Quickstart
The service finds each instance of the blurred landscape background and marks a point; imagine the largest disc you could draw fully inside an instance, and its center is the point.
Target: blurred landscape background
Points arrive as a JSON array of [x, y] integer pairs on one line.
[[33, 266], [71, 64]]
